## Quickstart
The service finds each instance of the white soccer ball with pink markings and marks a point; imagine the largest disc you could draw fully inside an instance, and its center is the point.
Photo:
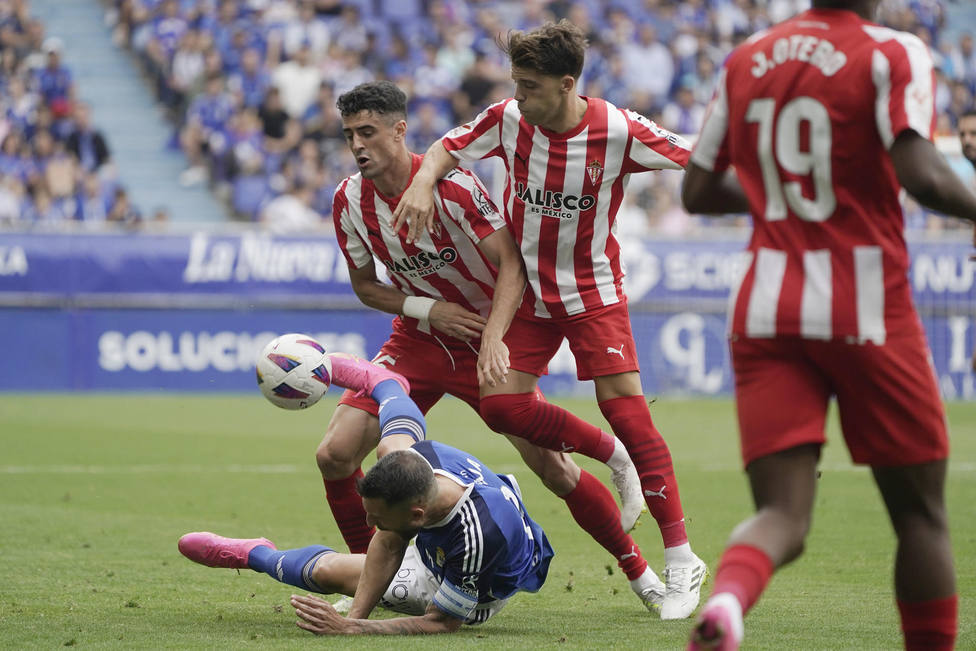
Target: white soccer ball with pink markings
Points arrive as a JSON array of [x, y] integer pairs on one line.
[[294, 371]]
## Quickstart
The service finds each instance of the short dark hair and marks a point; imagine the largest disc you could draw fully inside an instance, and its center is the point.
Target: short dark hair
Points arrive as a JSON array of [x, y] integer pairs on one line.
[[554, 49], [971, 113], [380, 97], [835, 4], [399, 477]]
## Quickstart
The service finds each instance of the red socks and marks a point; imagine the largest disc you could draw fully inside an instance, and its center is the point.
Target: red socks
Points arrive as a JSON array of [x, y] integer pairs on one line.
[[593, 508], [929, 625], [631, 422], [548, 426], [347, 507], [743, 571]]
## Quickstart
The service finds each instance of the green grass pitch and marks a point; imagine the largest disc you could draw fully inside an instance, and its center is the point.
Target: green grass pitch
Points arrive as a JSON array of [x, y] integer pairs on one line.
[[96, 489]]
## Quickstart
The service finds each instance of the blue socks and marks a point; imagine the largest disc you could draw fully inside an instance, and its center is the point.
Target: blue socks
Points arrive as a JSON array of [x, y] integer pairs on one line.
[[291, 566], [399, 414]]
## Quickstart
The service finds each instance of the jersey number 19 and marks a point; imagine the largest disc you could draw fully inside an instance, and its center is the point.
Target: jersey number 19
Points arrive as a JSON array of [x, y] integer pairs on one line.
[[787, 153]]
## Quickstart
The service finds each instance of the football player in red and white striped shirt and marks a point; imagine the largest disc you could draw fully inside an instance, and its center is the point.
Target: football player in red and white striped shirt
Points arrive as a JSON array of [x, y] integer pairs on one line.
[[455, 290], [824, 118], [568, 158]]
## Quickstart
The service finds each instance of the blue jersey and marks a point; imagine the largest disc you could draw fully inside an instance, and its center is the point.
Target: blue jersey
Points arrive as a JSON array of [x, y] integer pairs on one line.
[[487, 548]]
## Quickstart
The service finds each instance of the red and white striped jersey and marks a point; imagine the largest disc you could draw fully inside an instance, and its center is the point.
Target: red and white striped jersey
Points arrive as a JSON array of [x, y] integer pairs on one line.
[[563, 193], [446, 264], [806, 112]]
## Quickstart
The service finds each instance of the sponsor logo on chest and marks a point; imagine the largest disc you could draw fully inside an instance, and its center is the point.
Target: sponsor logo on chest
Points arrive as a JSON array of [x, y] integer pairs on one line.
[[550, 203], [423, 263]]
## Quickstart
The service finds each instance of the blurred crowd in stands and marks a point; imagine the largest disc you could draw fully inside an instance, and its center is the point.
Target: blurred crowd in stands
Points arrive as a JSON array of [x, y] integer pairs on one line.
[[55, 166], [250, 88]]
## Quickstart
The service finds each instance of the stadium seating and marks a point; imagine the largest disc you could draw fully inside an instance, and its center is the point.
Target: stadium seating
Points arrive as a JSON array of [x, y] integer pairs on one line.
[[181, 150]]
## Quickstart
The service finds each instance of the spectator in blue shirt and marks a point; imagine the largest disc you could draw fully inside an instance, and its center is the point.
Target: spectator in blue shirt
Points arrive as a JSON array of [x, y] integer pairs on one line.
[[16, 158], [54, 81], [252, 81], [93, 204], [321, 120], [20, 106], [203, 132]]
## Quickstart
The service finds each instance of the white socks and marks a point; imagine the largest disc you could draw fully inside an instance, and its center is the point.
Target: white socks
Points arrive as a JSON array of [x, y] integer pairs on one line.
[[679, 554]]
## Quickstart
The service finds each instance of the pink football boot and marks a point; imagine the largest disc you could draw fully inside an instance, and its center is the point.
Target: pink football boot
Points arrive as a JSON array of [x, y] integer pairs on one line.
[[216, 551], [358, 374]]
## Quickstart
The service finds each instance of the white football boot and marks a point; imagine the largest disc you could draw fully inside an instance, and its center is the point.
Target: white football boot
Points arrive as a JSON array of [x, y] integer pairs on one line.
[[650, 590], [683, 580]]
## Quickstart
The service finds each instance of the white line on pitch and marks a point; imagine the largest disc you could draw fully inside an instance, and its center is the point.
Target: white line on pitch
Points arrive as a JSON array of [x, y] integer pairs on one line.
[[280, 469], [954, 466], [289, 469]]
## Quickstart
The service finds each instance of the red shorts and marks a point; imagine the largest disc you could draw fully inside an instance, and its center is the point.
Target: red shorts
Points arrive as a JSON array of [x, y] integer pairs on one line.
[[431, 369], [601, 341], [891, 413]]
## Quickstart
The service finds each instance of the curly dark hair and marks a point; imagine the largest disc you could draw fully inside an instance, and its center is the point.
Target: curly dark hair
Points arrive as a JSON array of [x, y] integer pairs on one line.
[[399, 477], [554, 49], [380, 97]]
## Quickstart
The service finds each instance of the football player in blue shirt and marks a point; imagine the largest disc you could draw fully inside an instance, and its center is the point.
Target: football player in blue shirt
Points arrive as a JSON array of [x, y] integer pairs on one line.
[[474, 544]]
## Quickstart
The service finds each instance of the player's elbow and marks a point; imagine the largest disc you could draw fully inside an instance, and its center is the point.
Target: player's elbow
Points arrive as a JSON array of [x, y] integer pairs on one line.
[[695, 190], [919, 167], [449, 625], [440, 622], [690, 200]]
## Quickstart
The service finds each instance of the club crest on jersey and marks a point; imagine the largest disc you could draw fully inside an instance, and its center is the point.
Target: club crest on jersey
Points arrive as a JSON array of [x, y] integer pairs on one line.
[[440, 557], [594, 170]]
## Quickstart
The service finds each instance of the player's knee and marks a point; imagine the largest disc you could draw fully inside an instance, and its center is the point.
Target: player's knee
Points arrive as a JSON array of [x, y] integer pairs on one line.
[[501, 412], [927, 521], [325, 572], [334, 465], [558, 480], [558, 473]]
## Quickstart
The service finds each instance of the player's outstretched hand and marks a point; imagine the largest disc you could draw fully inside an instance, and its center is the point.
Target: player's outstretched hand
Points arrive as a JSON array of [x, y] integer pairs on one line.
[[317, 615], [454, 320], [492, 362], [415, 209]]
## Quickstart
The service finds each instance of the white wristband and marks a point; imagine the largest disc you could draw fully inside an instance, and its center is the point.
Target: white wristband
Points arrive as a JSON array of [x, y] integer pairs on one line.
[[418, 307]]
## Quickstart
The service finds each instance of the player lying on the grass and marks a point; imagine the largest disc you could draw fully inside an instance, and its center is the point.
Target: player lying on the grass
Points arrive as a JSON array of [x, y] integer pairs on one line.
[[475, 546], [816, 126], [468, 274]]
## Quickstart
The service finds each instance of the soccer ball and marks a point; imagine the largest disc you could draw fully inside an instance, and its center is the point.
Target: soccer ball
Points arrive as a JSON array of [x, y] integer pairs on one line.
[[294, 371]]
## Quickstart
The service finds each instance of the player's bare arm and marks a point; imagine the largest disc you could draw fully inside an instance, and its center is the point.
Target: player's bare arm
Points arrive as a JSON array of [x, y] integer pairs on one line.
[[319, 617], [712, 193], [416, 206], [383, 559], [449, 318], [501, 251], [373, 292], [926, 175]]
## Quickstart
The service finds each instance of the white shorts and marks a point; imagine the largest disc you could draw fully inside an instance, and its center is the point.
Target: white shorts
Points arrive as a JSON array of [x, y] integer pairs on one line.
[[413, 588]]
